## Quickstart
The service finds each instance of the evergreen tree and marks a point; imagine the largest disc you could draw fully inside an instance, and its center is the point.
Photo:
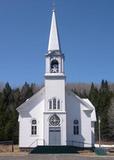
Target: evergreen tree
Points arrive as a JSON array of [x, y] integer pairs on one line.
[[26, 92], [94, 95], [104, 105], [111, 119], [94, 98]]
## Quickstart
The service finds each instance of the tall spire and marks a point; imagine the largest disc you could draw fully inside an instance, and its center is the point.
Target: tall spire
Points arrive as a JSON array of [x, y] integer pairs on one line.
[[54, 43]]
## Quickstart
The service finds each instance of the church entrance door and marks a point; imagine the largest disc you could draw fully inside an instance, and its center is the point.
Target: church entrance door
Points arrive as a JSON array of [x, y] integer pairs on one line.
[[54, 136]]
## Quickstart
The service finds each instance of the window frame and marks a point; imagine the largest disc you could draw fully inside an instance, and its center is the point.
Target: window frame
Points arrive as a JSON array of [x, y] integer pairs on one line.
[[54, 104], [50, 104], [75, 127], [54, 63], [76, 130], [33, 127], [58, 104]]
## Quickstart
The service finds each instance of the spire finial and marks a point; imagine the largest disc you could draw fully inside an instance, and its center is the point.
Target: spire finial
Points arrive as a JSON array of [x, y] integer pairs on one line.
[[53, 5]]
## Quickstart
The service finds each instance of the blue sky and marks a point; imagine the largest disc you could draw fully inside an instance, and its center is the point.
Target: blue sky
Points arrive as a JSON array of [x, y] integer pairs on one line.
[[86, 29]]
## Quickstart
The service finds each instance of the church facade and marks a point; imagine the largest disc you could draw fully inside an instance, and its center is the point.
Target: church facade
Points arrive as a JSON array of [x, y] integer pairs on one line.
[[55, 115]]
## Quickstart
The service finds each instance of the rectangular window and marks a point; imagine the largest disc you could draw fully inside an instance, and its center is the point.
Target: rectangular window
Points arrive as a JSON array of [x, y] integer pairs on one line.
[[76, 130], [34, 130]]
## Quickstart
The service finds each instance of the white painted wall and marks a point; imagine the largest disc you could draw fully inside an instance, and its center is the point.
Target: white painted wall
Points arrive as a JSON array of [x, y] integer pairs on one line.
[[25, 118], [55, 88], [75, 110], [47, 64], [86, 126], [73, 113]]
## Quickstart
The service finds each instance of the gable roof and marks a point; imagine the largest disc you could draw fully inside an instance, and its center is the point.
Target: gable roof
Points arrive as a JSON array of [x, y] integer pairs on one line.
[[34, 100], [87, 104], [84, 101], [93, 114]]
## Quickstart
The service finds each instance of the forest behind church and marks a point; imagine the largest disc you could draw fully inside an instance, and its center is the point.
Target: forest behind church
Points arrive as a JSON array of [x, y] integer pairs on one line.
[[101, 95]]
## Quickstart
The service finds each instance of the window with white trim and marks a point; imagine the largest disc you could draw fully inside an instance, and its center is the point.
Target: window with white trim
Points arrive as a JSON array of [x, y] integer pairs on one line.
[[34, 127], [54, 104], [58, 104], [50, 104], [76, 127], [54, 66]]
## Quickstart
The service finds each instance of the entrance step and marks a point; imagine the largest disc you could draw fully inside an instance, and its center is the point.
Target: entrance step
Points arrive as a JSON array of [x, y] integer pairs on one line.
[[54, 149]]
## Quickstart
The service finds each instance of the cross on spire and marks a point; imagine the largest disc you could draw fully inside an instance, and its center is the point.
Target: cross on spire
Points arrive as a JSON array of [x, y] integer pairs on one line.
[[53, 5]]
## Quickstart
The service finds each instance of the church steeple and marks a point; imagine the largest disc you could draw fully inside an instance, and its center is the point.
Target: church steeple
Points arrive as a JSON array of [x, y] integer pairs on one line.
[[54, 42], [54, 57]]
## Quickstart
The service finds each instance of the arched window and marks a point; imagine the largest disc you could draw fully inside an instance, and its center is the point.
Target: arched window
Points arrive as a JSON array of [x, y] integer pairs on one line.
[[34, 127], [50, 104], [75, 127], [54, 66], [54, 103], [58, 104]]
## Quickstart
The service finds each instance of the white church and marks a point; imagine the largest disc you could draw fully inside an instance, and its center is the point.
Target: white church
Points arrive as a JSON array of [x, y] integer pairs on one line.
[[55, 116]]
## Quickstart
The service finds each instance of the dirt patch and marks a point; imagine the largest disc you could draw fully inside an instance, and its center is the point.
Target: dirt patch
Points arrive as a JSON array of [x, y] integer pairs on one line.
[[9, 148]]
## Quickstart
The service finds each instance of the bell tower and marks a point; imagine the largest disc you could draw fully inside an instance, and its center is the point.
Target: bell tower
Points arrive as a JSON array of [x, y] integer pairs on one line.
[[55, 110], [54, 72]]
